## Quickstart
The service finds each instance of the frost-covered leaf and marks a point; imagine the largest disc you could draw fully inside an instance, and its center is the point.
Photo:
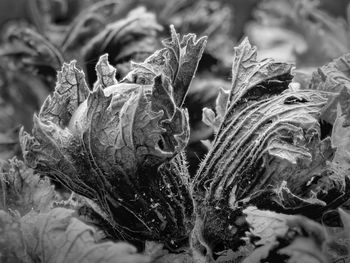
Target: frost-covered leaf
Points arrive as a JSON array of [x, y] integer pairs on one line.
[[268, 152], [70, 91], [334, 77], [337, 246], [209, 116], [13, 248], [105, 73], [285, 238], [58, 236], [119, 146], [178, 61], [22, 190], [341, 140]]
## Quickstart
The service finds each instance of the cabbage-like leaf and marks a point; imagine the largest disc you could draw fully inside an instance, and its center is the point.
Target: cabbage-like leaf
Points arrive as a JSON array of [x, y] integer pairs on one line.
[[285, 238], [334, 77], [22, 190], [268, 152], [120, 146], [58, 236], [341, 139], [12, 244], [215, 120], [178, 61]]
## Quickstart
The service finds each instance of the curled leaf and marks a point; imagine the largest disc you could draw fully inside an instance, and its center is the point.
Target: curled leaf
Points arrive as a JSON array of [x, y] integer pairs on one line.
[[120, 146], [178, 61], [132, 38], [22, 190], [285, 238], [269, 137], [57, 236]]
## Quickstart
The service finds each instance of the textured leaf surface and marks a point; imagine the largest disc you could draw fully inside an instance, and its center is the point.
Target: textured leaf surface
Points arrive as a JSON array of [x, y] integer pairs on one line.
[[341, 139], [178, 61], [57, 236], [70, 91], [334, 77], [22, 190], [120, 146], [268, 151], [214, 120], [285, 238], [130, 39], [105, 73]]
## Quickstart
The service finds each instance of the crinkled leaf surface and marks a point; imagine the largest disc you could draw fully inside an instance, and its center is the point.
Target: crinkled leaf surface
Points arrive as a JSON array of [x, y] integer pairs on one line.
[[178, 61], [215, 120], [334, 78], [338, 240], [285, 238], [22, 190], [120, 146], [270, 137], [341, 140], [57, 236]]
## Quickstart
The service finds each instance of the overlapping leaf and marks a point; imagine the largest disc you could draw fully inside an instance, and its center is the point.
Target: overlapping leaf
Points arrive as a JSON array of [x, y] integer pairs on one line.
[[57, 236], [22, 190], [120, 145], [268, 151], [178, 61]]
